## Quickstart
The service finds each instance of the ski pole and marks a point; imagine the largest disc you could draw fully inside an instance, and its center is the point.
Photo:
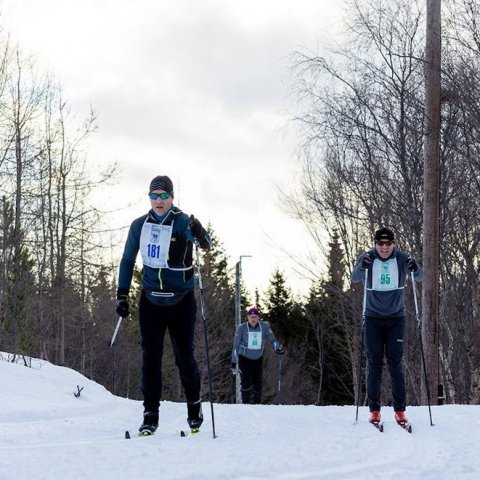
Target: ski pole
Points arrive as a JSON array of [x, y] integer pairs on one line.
[[234, 384], [419, 326], [205, 328], [360, 356], [279, 390], [116, 331]]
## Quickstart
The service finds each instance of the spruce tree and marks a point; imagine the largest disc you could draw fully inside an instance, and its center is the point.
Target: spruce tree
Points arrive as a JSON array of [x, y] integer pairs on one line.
[[219, 311], [328, 355], [279, 306], [280, 371]]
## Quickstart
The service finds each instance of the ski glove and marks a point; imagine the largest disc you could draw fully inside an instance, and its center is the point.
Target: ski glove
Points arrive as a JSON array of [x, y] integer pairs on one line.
[[234, 368], [280, 350], [195, 227], [412, 264], [366, 261], [122, 307]]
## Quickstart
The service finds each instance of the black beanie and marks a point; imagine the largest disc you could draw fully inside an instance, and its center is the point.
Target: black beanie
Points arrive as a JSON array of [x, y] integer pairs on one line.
[[161, 182], [384, 234]]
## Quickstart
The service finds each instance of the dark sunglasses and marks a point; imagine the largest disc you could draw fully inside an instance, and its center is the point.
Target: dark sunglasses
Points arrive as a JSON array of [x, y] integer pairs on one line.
[[163, 195], [384, 242]]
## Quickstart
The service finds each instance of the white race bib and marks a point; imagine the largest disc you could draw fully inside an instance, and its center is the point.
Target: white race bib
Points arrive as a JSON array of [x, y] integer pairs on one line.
[[154, 244], [385, 274], [255, 340]]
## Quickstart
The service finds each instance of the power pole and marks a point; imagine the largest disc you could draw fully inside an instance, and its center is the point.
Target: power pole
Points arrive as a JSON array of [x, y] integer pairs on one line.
[[431, 201], [238, 316]]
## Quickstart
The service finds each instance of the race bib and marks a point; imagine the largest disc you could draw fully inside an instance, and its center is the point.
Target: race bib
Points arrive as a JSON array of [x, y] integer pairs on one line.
[[255, 340], [154, 244], [385, 275]]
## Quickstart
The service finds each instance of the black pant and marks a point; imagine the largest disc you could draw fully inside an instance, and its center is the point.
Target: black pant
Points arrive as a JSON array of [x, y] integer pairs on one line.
[[385, 336], [251, 379], [180, 321]]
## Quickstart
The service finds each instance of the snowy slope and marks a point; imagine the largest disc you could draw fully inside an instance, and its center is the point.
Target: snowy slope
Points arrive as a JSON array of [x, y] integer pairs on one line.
[[48, 433]]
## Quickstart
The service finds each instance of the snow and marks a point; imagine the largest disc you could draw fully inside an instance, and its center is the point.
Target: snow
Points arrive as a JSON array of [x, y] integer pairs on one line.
[[49, 433]]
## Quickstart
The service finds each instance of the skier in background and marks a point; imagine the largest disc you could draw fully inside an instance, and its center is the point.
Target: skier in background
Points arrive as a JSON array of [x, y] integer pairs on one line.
[[248, 348], [387, 267], [165, 237]]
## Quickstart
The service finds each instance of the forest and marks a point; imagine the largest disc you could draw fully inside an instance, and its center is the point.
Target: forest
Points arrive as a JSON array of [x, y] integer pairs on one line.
[[360, 120]]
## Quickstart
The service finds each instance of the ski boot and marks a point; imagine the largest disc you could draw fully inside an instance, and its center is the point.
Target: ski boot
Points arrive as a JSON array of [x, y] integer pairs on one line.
[[195, 416], [375, 420], [402, 420], [400, 417], [375, 417], [149, 425]]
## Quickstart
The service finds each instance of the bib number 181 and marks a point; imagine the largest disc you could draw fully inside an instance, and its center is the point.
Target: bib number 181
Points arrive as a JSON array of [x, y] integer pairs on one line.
[[153, 250]]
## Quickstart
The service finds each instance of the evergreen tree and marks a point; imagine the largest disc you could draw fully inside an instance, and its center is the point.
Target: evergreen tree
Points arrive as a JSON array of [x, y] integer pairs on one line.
[[279, 371], [257, 302], [328, 356], [123, 361], [219, 297], [279, 306], [18, 326]]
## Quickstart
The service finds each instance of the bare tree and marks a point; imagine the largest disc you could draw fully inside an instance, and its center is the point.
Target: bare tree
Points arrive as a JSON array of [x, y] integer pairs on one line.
[[362, 116]]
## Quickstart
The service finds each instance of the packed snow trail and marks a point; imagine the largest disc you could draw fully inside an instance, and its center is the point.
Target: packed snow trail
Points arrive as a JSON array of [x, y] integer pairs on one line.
[[47, 433]]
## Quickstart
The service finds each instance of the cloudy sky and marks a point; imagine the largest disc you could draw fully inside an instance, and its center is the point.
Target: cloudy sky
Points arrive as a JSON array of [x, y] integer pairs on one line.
[[194, 89]]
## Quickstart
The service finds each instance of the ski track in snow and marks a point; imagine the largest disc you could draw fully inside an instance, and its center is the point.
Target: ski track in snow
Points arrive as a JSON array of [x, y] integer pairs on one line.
[[47, 433]]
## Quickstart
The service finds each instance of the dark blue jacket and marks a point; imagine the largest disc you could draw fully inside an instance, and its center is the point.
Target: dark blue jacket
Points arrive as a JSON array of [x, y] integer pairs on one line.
[[178, 276], [387, 303]]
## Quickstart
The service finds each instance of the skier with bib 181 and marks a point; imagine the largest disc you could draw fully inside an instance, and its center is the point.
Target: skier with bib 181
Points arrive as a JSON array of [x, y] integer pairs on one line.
[[165, 237], [248, 347], [387, 268]]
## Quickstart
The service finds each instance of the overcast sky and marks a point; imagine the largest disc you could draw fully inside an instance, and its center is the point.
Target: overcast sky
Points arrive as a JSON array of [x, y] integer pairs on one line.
[[194, 89]]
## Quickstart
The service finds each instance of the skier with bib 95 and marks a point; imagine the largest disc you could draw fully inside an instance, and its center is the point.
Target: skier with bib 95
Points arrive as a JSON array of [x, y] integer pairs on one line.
[[248, 348], [384, 331], [164, 236]]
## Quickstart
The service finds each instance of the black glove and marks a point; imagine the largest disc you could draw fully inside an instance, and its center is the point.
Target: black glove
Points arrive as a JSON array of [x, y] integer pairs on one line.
[[122, 307], [195, 227], [280, 350], [366, 261], [234, 368], [412, 265]]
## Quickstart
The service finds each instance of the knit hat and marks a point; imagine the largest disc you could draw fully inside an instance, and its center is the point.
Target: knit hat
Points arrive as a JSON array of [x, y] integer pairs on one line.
[[384, 234], [253, 311], [161, 182]]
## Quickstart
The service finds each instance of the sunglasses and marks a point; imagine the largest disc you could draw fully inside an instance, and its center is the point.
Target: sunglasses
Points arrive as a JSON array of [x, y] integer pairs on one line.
[[163, 195], [385, 242]]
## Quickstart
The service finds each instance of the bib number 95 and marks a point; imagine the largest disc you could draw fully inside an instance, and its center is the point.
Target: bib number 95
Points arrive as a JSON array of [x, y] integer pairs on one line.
[[385, 279]]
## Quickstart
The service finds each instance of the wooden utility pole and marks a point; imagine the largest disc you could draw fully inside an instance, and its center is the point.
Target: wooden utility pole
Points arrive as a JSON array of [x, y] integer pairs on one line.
[[431, 202]]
